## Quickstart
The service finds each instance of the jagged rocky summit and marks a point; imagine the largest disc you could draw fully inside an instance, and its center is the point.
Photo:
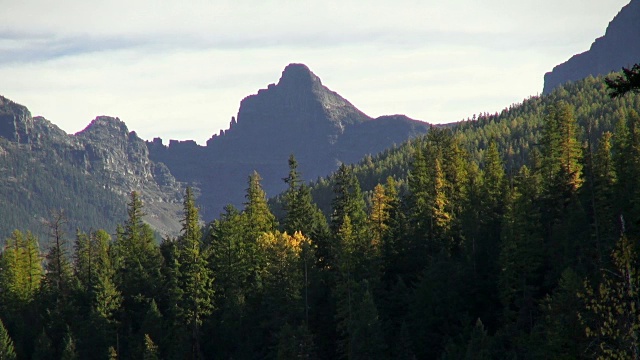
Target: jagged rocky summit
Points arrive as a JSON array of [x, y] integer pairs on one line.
[[298, 115], [89, 175], [619, 47]]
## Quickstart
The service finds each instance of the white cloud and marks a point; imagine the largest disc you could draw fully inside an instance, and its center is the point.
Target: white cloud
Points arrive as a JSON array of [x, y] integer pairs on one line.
[[179, 69]]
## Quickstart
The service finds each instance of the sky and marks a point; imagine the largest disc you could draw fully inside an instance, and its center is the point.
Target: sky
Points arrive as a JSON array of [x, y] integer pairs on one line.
[[179, 69]]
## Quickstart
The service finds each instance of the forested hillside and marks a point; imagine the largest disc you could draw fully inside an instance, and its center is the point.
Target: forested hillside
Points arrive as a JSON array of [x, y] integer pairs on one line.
[[511, 235], [516, 130]]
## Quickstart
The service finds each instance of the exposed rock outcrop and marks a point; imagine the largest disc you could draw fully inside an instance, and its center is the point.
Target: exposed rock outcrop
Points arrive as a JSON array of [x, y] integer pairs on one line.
[[16, 123]]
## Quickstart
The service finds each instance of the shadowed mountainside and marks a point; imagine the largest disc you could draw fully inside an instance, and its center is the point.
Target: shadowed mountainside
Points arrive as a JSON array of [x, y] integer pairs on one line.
[[618, 48], [298, 115]]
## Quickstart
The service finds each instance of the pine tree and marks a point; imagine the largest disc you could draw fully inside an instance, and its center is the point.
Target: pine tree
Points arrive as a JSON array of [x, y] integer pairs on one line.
[[229, 262], [346, 285], [58, 270], [492, 190], [419, 183], [138, 264], [150, 349], [366, 340], [69, 349], [559, 327], [112, 354], [58, 284], [258, 219], [561, 151], [628, 82], [152, 325], [97, 299], [195, 275], [22, 271], [611, 311], [43, 349], [474, 344], [561, 170], [602, 182], [403, 349], [283, 276], [347, 200], [521, 247], [440, 218], [303, 215], [7, 350], [379, 216], [258, 216], [626, 149], [295, 343]]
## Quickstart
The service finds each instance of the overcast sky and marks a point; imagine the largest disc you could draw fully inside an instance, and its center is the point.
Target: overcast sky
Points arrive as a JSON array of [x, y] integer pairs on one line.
[[179, 69]]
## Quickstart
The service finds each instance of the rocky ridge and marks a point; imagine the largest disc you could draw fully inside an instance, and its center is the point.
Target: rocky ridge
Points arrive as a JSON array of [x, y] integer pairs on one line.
[[104, 154]]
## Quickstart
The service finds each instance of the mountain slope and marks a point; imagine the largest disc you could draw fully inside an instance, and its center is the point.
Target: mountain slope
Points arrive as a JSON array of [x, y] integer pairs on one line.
[[88, 175], [618, 48], [298, 115]]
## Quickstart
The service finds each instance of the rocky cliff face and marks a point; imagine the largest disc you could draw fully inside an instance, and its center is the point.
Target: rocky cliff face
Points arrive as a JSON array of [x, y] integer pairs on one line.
[[618, 48], [16, 123], [298, 115], [104, 157], [121, 160]]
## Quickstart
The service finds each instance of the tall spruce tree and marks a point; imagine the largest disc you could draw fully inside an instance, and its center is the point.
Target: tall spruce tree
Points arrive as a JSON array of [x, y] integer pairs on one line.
[[138, 264], [58, 284], [98, 299], [196, 276], [347, 200]]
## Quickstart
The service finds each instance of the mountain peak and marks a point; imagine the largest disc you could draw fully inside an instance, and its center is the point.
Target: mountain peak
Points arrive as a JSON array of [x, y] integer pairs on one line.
[[105, 123], [298, 75]]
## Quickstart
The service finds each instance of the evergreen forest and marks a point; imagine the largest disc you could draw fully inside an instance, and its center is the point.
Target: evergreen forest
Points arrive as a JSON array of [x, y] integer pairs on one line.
[[511, 235]]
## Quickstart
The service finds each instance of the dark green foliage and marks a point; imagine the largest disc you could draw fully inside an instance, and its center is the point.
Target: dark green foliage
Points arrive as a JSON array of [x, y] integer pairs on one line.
[[473, 343], [69, 349], [610, 315], [195, 279], [366, 340], [138, 264], [295, 343], [347, 200], [150, 349], [7, 351], [43, 349], [629, 81]]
